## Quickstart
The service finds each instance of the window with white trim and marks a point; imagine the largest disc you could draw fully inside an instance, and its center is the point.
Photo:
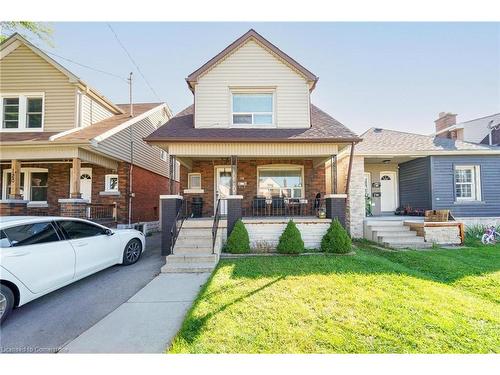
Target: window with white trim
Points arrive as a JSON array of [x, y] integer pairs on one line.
[[163, 155], [280, 181], [111, 183], [253, 108], [467, 183], [34, 184], [194, 180], [22, 112]]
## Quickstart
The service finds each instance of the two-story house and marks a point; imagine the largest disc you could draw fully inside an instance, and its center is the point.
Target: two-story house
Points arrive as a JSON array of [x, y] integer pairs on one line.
[[252, 136], [68, 150]]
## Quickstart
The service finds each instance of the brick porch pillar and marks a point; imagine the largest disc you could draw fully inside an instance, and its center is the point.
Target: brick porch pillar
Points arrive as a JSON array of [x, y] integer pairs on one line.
[[234, 211], [170, 205], [73, 208], [336, 207], [13, 207]]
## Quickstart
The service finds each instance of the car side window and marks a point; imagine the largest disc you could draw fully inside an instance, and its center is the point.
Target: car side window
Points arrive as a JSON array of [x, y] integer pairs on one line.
[[79, 229], [4, 241], [31, 234]]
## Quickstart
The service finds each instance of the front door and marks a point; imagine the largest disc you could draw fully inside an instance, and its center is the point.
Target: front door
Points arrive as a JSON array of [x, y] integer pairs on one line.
[[85, 183], [388, 191], [222, 187]]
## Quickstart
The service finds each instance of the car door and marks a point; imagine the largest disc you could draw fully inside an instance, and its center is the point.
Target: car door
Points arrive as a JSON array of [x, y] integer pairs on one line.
[[37, 255], [94, 249]]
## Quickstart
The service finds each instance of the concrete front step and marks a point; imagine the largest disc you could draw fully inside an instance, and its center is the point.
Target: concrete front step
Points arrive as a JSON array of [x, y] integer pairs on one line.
[[191, 258], [390, 228], [192, 250], [395, 239], [405, 234], [420, 245], [183, 241], [188, 268], [384, 223]]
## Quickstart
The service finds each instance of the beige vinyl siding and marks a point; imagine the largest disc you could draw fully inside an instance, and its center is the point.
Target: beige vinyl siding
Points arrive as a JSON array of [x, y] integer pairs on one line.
[[92, 111], [22, 71], [247, 149], [252, 66], [145, 156]]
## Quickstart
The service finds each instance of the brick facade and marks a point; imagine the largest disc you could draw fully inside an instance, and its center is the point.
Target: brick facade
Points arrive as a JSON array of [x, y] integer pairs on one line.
[[314, 179]]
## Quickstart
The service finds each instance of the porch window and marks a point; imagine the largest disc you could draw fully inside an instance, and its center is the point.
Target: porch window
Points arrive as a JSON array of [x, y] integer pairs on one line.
[[111, 181], [194, 180], [286, 182], [34, 184], [252, 109], [468, 183]]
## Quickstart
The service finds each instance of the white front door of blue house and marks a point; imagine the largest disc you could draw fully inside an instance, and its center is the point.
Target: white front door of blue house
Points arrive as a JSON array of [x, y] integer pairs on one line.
[[388, 191]]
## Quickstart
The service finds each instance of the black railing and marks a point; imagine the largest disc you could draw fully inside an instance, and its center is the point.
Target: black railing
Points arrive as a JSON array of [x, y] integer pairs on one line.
[[280, 206], [215, 225], [101, 211], [177, 225]]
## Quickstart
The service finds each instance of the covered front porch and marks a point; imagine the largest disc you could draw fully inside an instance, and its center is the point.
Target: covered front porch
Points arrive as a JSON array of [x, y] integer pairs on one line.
[[62, 182], [269, 187]]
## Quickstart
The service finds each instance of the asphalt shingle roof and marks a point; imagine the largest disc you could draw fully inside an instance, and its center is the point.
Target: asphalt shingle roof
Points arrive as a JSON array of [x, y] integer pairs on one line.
[[324, 128], [385, 141]]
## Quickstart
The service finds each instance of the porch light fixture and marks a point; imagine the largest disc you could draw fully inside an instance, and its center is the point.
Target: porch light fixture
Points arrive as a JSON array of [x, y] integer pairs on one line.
[[386, 161]]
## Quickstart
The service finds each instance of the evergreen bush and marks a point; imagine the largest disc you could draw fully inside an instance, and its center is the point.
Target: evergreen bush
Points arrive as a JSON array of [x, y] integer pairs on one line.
[[238, 241], [336, 239], [290, 241]]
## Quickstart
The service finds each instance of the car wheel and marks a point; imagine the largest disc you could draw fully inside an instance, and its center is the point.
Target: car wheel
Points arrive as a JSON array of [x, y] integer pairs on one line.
[[6, 302], [132, 252]]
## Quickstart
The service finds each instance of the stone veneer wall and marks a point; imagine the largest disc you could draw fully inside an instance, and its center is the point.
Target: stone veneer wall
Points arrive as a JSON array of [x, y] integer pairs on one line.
[[355, 212]]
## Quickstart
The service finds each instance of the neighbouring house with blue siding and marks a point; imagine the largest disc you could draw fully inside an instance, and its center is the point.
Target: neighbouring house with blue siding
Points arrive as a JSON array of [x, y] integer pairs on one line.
[[410, 173]]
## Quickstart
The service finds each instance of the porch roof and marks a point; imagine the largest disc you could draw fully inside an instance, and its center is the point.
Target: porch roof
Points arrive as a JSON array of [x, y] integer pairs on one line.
[[324, 128]]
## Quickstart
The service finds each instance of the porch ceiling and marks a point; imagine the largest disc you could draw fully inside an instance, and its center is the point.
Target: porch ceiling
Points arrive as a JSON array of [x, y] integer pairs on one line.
[[389, 159], [250, 149]]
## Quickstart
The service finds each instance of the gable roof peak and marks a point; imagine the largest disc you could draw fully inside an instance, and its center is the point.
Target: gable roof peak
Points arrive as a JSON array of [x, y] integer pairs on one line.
[[251, 34]]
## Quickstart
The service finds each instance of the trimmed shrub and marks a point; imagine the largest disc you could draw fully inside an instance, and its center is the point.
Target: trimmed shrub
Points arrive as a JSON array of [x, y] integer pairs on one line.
[[238, 241], [336, 240], [290, 240]]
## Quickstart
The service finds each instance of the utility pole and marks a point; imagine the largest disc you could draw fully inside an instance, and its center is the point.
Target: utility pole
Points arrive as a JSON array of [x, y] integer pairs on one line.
[[131, 169]]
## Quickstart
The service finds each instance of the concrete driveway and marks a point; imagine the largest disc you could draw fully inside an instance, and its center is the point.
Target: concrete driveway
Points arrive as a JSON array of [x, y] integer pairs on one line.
[[49, 322]]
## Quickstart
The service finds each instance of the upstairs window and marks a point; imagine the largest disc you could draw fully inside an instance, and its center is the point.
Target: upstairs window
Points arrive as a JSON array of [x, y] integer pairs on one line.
[[22, 112], [468, 183], [34, 112], [252, 109], [10, 118]]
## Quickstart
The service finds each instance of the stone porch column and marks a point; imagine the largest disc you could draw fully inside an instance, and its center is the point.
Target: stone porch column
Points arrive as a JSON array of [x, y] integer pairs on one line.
[[234, 211], [170, 205], [75, 179]]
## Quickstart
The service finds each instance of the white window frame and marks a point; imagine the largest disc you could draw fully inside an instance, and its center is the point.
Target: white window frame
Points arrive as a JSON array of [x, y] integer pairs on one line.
[[253, 91], [475, 183], [283, 167], [27, 182], [107, 181], [163, 155], [190, 185], [23, 111]]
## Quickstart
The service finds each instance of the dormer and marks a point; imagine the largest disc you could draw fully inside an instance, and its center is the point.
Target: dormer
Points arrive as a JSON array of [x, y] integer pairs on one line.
[[252, 84]]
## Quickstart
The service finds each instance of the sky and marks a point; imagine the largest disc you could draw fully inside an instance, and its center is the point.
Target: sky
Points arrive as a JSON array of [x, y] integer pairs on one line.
[[391, 75]]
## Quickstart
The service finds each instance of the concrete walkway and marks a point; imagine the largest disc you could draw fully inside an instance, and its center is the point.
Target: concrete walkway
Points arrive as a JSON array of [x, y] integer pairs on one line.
[[147, 322]]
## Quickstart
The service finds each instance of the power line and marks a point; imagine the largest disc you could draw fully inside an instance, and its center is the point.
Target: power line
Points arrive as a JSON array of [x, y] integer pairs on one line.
[[133, 62], [83, 65]]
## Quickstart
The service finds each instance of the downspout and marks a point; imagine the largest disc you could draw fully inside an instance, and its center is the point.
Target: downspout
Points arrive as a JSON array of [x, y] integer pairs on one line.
[[348, 182], [131, 168]]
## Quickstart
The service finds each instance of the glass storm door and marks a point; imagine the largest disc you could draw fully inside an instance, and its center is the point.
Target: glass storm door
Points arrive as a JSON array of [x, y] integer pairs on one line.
[[222, 187]]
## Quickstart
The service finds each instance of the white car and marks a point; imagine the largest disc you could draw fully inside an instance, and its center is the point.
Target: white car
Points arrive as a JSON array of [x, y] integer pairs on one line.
[[42, 254]]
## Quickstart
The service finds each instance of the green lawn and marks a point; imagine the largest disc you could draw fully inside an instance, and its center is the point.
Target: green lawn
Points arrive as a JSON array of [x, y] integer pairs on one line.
[[439, 301]]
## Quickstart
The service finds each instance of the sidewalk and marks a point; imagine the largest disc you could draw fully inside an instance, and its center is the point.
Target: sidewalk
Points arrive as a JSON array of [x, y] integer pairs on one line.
[[147, 322]]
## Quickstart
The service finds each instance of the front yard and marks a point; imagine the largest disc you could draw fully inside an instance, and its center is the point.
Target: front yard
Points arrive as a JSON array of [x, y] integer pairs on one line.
[[439, 301]]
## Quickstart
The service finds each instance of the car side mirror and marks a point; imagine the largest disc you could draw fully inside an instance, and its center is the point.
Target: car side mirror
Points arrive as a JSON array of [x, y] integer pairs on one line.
[[109, 232]]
